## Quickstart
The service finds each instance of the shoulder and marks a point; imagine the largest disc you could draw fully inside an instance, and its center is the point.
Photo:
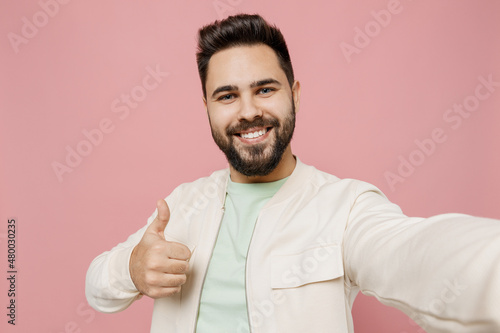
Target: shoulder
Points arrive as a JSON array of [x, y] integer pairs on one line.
[[326, 182], [210, 187]]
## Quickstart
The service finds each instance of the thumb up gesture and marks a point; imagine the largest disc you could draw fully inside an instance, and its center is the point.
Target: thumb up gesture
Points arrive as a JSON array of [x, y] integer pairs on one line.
[[158, 267]]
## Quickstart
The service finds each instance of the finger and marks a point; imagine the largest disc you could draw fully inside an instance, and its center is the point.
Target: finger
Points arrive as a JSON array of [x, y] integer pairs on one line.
[[175, 280], [163, 292], [178, 251], [161, 220], [175, 266], [164, 280], [167, 285]]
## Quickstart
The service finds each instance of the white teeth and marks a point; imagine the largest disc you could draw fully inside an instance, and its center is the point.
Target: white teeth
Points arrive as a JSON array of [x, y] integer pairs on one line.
[[253, 134]]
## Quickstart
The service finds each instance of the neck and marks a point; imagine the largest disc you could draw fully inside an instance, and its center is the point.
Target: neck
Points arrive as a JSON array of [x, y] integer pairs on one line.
[[284, 169]]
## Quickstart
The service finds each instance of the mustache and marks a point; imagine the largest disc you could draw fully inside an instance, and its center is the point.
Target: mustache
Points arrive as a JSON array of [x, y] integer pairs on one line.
[[245, 125]]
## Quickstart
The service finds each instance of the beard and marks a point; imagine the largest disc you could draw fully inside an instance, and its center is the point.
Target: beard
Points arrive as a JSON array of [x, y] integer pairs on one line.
[[258, 159]]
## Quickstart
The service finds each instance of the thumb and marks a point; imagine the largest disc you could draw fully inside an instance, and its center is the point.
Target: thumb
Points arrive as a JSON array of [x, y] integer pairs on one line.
[[161, 220]]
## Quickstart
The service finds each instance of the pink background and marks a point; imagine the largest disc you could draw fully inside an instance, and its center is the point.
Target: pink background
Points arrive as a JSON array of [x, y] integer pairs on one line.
[[356, 118]]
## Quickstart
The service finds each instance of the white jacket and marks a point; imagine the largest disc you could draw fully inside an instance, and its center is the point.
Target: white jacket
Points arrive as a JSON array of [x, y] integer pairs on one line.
[[316, 243]]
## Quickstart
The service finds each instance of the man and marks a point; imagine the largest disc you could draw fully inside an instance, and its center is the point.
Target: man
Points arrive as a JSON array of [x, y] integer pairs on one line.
[[274, 245]]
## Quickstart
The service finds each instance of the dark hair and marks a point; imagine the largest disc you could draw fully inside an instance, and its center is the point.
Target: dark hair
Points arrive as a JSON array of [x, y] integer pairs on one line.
[[240, 30]]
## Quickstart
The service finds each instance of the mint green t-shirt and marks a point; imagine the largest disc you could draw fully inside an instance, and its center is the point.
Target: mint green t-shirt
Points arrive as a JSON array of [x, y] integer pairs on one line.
[[223, 306]]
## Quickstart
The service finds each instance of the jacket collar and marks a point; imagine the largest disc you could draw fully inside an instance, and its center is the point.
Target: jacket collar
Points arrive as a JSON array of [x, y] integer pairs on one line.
[[293, 184]]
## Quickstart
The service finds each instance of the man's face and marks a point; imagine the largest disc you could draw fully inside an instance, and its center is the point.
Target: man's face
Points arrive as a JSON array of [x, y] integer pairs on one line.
[[251, 107]]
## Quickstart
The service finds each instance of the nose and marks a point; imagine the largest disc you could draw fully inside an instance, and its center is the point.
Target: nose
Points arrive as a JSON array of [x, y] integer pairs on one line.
[[249, 110]]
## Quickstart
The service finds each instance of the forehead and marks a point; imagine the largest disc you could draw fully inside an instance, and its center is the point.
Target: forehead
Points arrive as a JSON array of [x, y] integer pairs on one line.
[[242, 65]]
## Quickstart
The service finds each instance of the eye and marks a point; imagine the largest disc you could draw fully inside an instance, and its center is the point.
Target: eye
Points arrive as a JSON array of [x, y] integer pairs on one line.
[[226, 97], [266, 90]]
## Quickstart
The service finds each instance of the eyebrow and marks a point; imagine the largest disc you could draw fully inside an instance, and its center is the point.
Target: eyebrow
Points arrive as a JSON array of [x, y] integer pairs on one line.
[[224, 88], [252, 85], [264, 82]]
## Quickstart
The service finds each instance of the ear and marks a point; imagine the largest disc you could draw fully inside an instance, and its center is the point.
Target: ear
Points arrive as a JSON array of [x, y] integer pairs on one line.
[[296, 95], [205, 102]]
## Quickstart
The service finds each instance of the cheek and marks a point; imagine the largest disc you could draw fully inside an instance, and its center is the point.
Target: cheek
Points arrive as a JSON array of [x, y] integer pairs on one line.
[[219, 119], [279, 109], [278, 104]]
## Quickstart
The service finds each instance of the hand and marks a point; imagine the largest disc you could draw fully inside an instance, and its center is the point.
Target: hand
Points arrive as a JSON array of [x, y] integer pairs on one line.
[[158, 267]]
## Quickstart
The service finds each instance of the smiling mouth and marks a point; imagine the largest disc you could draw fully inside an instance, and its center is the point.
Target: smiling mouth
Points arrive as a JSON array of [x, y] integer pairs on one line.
[[252, 134]]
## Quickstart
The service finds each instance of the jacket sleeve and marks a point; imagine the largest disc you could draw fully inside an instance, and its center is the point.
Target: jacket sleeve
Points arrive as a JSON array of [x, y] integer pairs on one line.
[[442, 271], [108, 285]]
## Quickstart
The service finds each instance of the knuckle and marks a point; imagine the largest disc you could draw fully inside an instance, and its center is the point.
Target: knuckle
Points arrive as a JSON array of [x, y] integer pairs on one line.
[[147, 291], [150, 280], [154, 264], [157, 247], [155, 294], [151, 293]]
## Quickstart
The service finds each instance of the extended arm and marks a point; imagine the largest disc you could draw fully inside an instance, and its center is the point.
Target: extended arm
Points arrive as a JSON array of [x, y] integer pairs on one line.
[[442, 271]]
